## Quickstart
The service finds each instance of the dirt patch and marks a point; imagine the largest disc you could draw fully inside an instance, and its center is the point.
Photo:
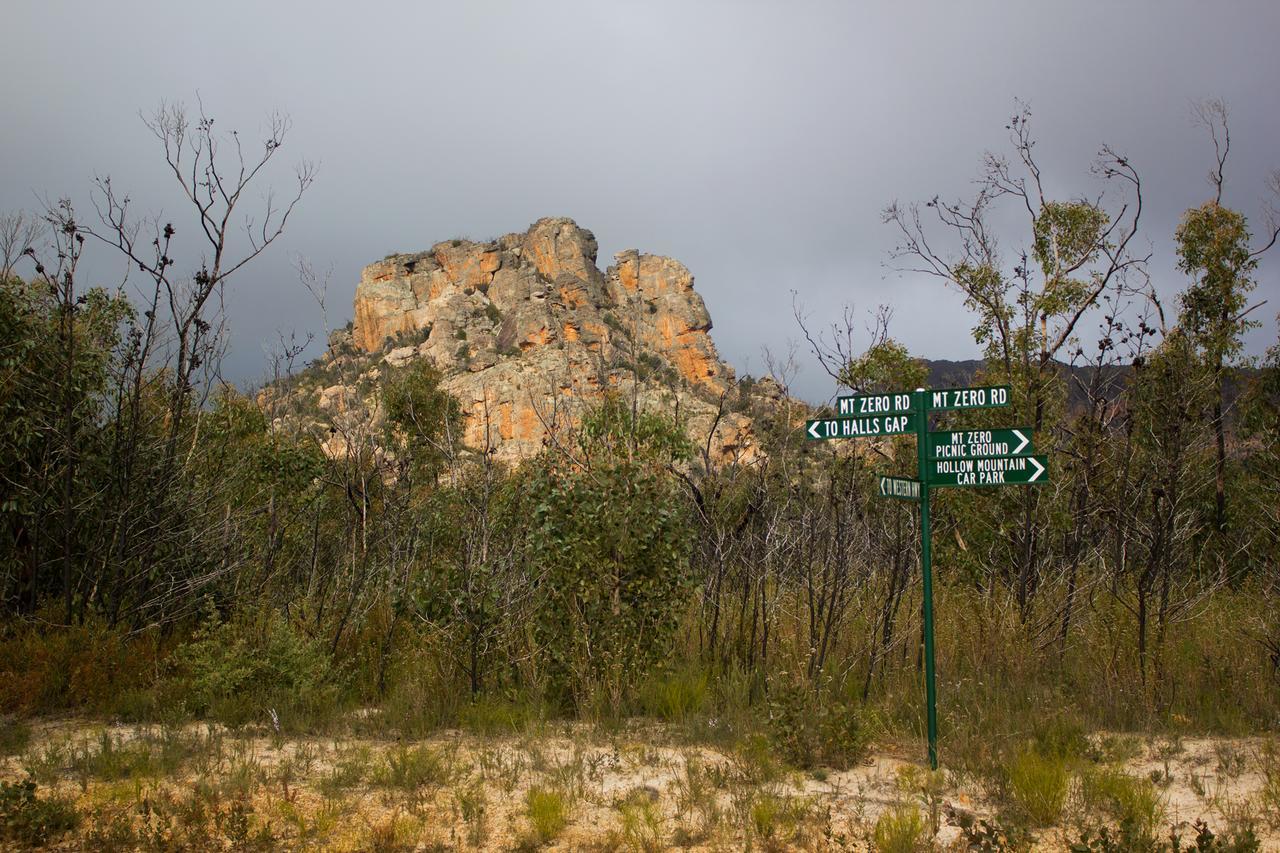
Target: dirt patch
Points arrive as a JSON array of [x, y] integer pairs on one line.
[[209, 787]]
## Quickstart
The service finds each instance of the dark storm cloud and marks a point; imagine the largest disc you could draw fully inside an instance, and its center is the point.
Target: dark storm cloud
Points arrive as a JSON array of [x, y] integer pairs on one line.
[[756, 142]]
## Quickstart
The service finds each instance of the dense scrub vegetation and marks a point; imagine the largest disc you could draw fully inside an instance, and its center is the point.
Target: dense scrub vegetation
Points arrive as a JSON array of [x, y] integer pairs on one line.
[[170, 551]]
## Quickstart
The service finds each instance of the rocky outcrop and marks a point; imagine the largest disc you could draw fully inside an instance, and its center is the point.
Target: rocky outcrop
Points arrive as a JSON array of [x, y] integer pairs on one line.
[[526, 329]]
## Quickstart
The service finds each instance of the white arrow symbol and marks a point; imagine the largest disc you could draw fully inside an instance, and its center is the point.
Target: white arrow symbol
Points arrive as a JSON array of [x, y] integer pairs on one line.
[[1039, 469], [1024, 441], [813, 429]]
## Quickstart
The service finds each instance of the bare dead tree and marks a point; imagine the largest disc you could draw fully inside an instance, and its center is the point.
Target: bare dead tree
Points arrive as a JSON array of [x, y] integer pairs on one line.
[[1211, 114], [68, 245], [214, 183], [19, 232], [181, 338]]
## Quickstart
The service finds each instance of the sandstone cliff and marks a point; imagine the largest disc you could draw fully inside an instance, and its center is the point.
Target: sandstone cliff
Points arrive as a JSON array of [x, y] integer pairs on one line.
[[526, 330]]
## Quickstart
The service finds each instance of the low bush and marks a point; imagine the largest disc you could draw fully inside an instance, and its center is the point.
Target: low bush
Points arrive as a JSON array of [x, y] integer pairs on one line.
[[409, 768], [84, 667], [32, 821], [811, 730], [237, 672]]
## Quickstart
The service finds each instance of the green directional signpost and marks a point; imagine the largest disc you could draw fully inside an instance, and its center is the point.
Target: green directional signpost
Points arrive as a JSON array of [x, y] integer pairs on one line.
[[975, 457], [860, 427], [972, 443], [987, 471], [900, 487]]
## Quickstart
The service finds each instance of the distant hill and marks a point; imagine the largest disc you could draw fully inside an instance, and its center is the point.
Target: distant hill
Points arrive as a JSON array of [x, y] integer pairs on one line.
[[951, 374]]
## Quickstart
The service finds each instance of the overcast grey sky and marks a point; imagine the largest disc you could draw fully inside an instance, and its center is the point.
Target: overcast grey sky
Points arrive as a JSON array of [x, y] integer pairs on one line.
[[756, 142]]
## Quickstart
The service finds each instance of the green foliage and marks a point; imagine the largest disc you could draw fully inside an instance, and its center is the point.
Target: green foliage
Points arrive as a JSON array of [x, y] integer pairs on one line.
[[1132, 838], [243, 670], [15, 734], [31, 821], [885, 367], [810, 729], [776, 819], [410, 768], [422, 414], [1068, 236], [678, 696], [1213, 246], [985, 288], [991, 836], [611, 544]]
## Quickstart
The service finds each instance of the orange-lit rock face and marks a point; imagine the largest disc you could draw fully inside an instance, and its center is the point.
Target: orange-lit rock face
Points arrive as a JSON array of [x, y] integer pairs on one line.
[[521, 324], [673, 320], [537, 339]]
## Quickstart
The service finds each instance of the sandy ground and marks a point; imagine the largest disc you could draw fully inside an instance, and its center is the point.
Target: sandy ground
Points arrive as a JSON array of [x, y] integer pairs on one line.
[[635, 789]]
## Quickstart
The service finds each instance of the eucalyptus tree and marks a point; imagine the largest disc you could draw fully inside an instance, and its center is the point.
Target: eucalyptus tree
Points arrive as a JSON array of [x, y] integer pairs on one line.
[[1213, 245], [1028, 303]]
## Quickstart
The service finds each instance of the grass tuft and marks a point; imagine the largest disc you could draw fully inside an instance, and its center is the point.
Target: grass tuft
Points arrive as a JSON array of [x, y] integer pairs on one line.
[[900, 829], [1038, 786], [548, 813]]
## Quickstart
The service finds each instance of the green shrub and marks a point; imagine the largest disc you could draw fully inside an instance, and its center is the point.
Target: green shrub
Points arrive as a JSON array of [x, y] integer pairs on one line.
[[641, 825], [812, 730], [242, 670], [776, 820], [1240, 840], [30, 821], [611, 543], [1060, 736], [1038, 786]]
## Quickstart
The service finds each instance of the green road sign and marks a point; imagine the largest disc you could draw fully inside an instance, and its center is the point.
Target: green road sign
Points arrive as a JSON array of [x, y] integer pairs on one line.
[[988, 471], [900, 487], [873, 404], [991, 457], [859, 427], [973, 443], [969, 398]]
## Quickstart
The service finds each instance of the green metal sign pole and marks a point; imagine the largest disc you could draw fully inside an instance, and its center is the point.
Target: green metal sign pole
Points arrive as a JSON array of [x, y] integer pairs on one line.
[[926, 560]]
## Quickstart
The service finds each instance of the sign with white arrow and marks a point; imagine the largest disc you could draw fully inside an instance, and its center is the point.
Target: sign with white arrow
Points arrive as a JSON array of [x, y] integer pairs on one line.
[[973, 443], [988, 471], [825, 428], [900, 487]]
